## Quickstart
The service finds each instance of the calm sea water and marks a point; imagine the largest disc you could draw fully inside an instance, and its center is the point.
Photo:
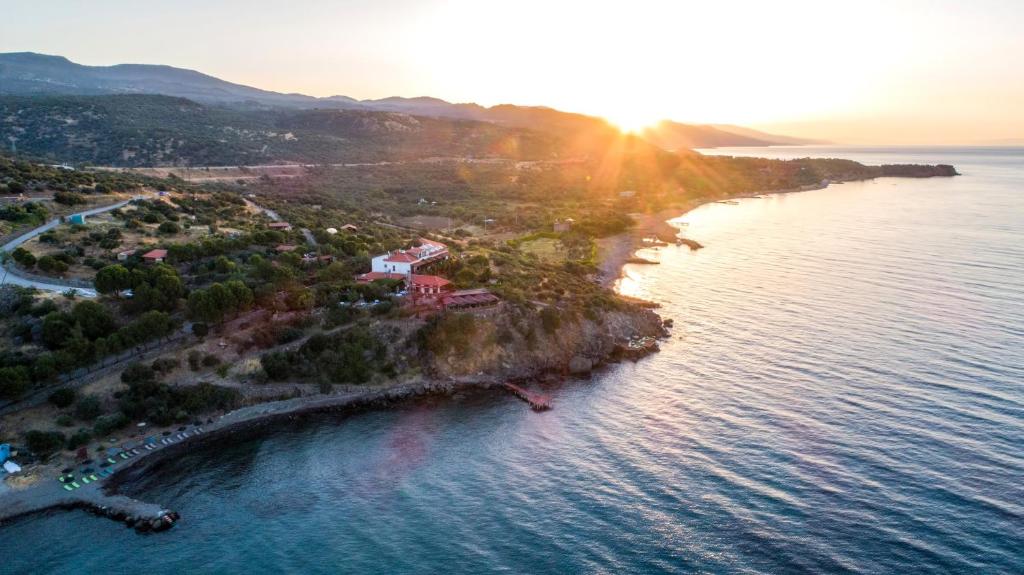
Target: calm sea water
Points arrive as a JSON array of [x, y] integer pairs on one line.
[[843, 392]]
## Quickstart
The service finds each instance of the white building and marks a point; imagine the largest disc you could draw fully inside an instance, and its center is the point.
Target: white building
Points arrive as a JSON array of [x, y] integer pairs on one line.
[[408, 261]]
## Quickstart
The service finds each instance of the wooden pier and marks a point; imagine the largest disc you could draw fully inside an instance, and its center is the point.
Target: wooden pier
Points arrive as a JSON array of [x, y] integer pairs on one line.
[[538, 402]]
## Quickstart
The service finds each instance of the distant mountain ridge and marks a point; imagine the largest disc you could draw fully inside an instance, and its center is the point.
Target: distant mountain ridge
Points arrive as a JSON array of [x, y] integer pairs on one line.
[[32, 74]]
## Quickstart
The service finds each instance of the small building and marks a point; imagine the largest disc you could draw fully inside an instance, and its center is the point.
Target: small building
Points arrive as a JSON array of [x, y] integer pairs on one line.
[[350, 228], [78, 219], [123, 256], [280, 226], [284, 248], [469, 300], [562, 226], [154, 256], [11, 467], [331, 231]]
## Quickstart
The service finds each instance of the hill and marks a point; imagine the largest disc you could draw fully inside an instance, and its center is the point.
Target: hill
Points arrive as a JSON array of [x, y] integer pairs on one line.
[[31, 74], [149, 130]]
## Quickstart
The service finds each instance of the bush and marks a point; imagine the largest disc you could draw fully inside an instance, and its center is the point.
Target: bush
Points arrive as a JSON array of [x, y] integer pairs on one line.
[[165, 365], [211, 360], [169, 228], [110, 422], [14, 381], [44, 443], [195, 359], [79, 438], [137, 373], [88, 408], [51, 264], [200, 329], [63, 397], [64, 420]]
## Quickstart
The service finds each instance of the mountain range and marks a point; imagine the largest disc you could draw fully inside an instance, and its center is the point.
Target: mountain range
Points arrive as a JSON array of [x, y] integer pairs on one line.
[[32, 74]]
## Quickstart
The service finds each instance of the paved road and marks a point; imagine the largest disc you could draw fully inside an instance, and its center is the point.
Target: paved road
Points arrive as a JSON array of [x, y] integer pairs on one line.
[[12, 275]]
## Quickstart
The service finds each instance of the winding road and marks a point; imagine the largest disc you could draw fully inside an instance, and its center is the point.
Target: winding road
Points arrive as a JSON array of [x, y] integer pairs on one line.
[[15, 276]]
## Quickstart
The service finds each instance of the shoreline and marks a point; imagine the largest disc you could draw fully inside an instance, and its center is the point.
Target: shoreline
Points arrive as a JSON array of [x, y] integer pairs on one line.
[[102, 497]]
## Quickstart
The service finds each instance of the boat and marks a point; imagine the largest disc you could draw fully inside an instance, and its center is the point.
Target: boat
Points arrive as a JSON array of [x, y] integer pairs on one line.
[[730, 202]]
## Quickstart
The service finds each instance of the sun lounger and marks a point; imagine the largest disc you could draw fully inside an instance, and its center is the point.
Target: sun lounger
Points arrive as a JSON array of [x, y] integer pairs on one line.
[[68, 487], [75, 484], [86, 480], [93, 477], [111, 460], [124, 455]]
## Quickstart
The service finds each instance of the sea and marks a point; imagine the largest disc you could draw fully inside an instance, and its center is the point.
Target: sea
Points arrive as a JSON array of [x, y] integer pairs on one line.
[[843, 392]]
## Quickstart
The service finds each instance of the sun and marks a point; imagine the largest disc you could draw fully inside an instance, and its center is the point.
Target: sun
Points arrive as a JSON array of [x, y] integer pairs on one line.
[[633, 121]]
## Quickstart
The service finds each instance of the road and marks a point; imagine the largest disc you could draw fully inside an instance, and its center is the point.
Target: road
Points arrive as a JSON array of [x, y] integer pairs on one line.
[[14, 276]]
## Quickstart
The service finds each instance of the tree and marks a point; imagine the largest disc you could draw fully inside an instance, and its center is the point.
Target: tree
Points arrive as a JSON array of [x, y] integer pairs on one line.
[[201, 307], [24, 257], [57, 328], [169, 228], [113, 279], [63, 397], [222, 299], [223, 265], [242, 294], [14, 381], [88, 408], [94, 319], [51, 264], [44, 443]]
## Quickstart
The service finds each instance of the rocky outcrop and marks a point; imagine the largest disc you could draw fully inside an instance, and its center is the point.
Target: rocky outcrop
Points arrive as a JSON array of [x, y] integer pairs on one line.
[[519, 347]]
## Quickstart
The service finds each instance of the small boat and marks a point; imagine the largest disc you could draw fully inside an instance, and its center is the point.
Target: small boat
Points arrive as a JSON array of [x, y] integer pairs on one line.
[[730, 202]]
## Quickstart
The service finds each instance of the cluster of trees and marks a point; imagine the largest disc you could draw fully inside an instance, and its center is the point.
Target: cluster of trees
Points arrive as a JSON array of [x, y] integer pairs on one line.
[[72, 339], [157, 287], [217, 302], [26, 213], [350, 357], [149, 399]]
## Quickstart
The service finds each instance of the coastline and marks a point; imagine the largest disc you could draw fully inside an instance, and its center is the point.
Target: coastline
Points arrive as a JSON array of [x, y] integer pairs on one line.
[[102, 497]]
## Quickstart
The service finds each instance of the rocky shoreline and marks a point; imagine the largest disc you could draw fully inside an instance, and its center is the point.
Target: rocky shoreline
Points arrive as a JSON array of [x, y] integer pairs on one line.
[[103, 497]]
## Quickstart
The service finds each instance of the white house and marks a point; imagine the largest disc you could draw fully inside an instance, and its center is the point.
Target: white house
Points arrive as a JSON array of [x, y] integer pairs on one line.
[[408, 261]]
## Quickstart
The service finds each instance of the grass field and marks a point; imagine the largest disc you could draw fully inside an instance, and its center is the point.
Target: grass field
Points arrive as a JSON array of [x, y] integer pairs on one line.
[[546, 249]]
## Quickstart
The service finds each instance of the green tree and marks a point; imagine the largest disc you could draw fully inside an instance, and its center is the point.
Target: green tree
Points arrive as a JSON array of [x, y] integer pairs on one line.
[[94, 319], [113, 279], [24, 257], [63, 397], [14, 381]]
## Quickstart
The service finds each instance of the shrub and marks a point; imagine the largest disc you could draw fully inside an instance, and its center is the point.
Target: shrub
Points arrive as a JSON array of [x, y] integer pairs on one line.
[[110, 422], [195, 358], [137, 373], [14, 381], [88, 408], [169, 228], [165, 365], [78, 439], [44, 443], [63, 397]]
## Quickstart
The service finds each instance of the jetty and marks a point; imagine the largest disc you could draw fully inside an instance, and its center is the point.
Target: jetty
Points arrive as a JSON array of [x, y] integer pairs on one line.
[[538, 402]]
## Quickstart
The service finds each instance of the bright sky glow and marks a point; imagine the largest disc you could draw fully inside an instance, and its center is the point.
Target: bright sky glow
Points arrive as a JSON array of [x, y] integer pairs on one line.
[[872, 71]]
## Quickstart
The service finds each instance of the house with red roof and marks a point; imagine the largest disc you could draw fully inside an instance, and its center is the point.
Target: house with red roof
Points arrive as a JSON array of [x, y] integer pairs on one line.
[[154, 256], [409, 261]]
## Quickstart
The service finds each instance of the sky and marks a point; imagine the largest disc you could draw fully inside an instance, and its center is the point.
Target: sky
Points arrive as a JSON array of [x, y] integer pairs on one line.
[[859, 72]]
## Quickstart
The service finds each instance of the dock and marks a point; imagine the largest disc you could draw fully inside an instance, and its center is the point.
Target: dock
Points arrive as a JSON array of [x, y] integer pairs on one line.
[[538, 402]]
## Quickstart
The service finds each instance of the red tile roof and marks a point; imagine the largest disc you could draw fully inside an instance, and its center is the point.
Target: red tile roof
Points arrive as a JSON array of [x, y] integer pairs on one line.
[[154, 254], [401, 257]]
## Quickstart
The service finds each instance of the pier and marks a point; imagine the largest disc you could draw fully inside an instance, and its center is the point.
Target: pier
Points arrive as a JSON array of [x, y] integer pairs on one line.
[[538, 402]]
